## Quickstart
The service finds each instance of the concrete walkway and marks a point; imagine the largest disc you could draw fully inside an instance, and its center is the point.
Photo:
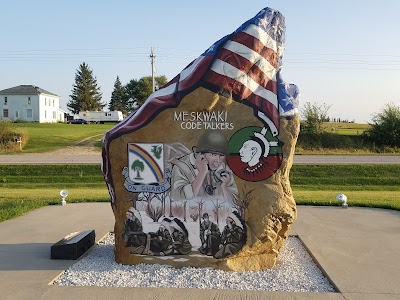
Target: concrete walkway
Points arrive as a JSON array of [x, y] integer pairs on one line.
[[357, 248]]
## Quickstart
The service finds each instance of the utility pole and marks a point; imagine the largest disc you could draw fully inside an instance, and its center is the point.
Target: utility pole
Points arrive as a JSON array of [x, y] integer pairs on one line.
[[152, 57]]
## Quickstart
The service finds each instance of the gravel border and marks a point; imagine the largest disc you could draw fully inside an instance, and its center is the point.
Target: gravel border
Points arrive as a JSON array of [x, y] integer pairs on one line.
[[295, 271]]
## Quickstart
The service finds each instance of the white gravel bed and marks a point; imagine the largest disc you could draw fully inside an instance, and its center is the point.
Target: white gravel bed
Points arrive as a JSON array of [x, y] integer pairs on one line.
[[295, 271]]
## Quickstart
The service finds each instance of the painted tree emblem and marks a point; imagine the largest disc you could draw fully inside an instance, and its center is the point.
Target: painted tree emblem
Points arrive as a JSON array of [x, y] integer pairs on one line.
[[146, 163], [138, 166], [156, 150]]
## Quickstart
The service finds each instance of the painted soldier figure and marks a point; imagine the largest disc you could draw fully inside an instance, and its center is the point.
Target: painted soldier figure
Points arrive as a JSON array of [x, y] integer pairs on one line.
[[133, 224], [210, 236], [231, 240], [161, 242], [180, 237], [204, 172]]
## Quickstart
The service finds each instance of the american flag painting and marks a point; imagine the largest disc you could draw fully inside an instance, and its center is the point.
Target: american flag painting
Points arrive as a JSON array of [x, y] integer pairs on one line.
[[245, 65]]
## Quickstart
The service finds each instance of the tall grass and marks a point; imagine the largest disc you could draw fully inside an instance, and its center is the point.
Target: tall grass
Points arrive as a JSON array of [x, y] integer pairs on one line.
[[9, 135]]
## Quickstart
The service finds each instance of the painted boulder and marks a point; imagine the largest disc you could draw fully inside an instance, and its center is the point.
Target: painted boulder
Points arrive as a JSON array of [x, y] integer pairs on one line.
[[199, 174]]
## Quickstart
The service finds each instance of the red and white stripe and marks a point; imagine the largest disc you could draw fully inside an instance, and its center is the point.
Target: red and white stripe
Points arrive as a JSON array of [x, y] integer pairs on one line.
[[247, 66]]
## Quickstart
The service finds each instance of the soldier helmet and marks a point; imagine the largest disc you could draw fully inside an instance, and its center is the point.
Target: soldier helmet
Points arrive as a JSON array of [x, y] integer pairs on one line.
[[213, 141]]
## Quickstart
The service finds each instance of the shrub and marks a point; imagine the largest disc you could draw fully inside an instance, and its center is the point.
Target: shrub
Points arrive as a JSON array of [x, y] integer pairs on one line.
[[314, 116], [9, 137], [329, 140], [154, 212], [385, 129]]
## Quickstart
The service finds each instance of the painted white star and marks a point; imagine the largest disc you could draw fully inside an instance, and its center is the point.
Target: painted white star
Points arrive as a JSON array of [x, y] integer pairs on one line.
[[211, 49], [264, 22]]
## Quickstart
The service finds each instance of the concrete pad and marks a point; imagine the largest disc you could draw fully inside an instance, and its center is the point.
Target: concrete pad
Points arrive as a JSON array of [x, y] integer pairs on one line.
[[51, 223], [358, 248], [29, 289], [357, 264], [32, 261], [364, 296], [100, 293]]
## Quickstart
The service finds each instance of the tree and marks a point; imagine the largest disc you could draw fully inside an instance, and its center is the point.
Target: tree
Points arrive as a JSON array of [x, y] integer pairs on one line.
[[162, 197], [242, 200], [118, 98], [137, 166], [131, 91], [314, 115], [385, 129], [199, 207], [217, 207], [145, 197], [145, 87], [86, 94], [131, 88]]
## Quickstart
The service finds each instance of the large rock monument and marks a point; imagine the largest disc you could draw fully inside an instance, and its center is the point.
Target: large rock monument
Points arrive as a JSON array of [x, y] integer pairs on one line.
[[199, 174]]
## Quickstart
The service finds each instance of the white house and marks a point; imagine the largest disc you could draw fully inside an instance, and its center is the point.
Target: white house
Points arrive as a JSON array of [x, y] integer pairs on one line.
[[30, 103]]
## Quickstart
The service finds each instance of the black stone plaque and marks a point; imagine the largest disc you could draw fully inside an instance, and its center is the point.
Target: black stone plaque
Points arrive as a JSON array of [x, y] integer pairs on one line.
[[73, 245]]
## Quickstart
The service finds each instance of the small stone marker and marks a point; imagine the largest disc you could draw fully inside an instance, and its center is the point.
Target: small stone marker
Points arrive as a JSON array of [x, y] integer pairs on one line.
[[73, 245], [199, 174]]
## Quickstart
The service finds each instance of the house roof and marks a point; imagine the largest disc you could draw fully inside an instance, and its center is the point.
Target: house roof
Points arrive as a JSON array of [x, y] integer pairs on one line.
[[26, 90]]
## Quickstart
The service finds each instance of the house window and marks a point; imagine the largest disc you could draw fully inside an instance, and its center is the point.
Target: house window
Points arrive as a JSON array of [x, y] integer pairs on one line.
[[54, 115], [5, 100], [5, 113], [29, 100], [45, 114], [16, 114], [45, 101], [29, 113], [53, 104]]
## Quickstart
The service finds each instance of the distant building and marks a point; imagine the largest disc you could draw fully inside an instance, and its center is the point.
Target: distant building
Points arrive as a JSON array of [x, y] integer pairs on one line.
[[30, 103]]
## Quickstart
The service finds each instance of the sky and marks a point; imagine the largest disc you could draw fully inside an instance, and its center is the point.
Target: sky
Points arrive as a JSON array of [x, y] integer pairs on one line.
[[342, 53]]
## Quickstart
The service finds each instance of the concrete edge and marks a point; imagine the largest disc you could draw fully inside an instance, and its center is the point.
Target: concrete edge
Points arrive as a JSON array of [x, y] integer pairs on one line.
[[319, 265]]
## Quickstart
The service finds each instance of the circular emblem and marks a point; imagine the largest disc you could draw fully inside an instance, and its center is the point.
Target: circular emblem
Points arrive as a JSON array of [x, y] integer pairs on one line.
[[254, 154]]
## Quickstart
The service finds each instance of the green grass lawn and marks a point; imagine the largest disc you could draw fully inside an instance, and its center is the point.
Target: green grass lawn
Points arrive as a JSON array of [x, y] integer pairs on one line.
[[23, 188], [380, 199], [50, 136], [364, 185]]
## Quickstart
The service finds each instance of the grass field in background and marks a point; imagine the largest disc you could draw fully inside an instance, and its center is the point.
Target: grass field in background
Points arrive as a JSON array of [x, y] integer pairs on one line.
[[24, 188], [44, 137], [339, 138], [345, 128], [50, 136]]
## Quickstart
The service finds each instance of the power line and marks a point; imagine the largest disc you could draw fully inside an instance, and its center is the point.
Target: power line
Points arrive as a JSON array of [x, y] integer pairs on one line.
[[310, 60]]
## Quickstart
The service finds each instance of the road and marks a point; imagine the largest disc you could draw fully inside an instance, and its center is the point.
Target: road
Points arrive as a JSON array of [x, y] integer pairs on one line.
[[346, 159], [73, 157]]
